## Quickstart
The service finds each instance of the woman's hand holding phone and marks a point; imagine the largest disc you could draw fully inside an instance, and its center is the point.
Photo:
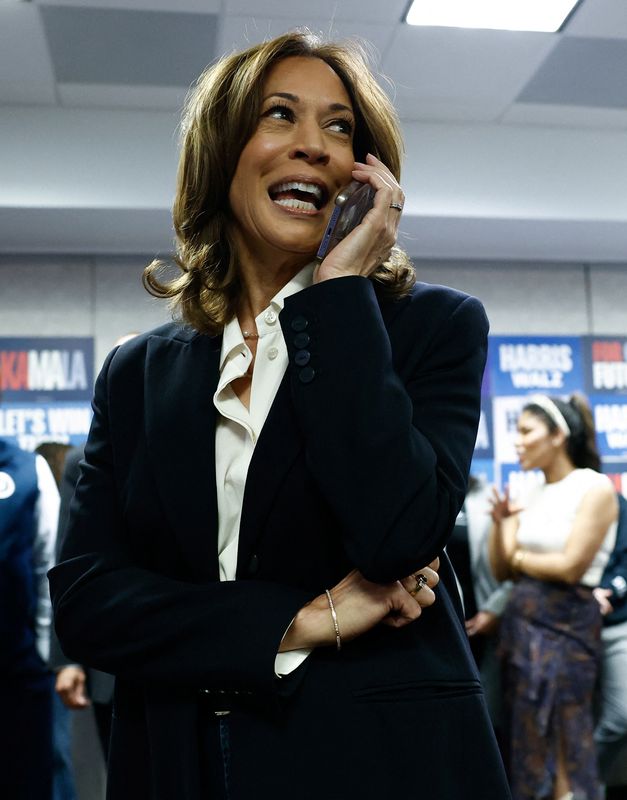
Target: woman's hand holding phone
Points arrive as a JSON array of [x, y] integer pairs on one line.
[[369, 244]]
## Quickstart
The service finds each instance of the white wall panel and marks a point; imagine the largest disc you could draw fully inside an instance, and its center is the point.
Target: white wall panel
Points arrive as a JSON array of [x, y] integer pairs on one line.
[[103, 296], [45, 296], [121, 304], [521, 298], [608, 298]]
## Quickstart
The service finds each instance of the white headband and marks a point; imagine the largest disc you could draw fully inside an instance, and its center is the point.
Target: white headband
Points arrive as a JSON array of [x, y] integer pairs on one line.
[[552, 411]]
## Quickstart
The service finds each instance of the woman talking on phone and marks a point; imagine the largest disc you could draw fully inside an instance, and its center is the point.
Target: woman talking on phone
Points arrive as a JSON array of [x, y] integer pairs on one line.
[[266, 480]]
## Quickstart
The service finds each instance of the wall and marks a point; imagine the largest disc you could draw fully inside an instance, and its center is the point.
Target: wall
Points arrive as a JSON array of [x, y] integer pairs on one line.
[[103, 296]]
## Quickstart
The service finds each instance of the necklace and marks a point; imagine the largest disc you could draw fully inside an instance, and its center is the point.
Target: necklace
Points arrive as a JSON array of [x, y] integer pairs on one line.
[[250, 335]]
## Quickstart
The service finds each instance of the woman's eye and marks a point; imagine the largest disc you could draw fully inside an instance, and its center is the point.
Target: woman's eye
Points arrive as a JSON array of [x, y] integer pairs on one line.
[[280, 112], [342, 126]]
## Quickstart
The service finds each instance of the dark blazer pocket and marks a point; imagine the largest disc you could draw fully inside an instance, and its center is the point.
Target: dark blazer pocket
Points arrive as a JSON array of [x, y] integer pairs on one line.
[[416, 690]]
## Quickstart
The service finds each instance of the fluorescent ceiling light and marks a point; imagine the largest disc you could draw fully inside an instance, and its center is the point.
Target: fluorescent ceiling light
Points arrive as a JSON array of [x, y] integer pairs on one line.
[[510, 15]]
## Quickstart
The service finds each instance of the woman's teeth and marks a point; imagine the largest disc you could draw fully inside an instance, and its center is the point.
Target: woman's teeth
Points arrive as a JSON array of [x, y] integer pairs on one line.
[[291, 202], [298, 195], [299, 186]]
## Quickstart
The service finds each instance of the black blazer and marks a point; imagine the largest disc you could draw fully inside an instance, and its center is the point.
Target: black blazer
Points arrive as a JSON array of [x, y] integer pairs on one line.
[[99, 684], [362, 462]]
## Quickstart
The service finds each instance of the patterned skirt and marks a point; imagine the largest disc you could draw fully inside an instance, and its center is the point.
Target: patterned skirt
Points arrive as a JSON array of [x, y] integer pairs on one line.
[[550, 649]]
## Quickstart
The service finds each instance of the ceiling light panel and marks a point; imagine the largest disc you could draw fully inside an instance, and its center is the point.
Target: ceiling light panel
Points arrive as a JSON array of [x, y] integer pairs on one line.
[[512, 15]]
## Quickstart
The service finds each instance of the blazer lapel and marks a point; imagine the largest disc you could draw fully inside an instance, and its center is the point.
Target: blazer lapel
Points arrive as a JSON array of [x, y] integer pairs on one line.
[[181, 378], [278, 445]]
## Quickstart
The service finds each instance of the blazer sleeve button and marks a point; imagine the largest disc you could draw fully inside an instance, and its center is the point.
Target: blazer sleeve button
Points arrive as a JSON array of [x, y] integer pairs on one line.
[[306, 375], [302, 358], [299, 323]]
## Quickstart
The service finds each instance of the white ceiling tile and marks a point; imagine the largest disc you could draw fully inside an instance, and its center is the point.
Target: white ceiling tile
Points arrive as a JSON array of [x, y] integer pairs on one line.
[[444, 68], [238, 32], [133, 48], [565, 116], [25, 66], [178, 6], [390, 12], [581, 71], [604, 18], [156, 98]]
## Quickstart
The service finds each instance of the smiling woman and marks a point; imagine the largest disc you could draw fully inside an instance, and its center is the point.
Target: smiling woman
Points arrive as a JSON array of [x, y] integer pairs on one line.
[[248, 98], [267, 490]]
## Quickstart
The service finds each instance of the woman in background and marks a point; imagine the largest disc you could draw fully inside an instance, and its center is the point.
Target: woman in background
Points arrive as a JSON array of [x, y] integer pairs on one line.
[[555, 545]]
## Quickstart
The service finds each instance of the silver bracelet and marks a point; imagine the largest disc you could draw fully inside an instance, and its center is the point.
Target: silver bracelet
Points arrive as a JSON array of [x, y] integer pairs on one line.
[[338, 638]]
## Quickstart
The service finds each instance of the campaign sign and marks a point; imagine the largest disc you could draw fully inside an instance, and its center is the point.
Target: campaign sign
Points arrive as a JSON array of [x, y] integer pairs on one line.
[[486, 388], [483, 470], [46, 369], [505, 413], [518, 481], [617, 473], [484, 447], [535, 364], [610, 422], [606, 364], [29, 424]]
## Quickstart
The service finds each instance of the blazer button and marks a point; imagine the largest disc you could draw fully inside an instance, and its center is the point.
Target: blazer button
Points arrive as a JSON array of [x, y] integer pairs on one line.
[[306, 375], [299, 324], [302, 358], [253, 564], [301, 340]]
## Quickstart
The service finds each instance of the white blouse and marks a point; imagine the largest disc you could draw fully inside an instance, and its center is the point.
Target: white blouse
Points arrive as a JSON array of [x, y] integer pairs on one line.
[[549, 515], [238, 428]]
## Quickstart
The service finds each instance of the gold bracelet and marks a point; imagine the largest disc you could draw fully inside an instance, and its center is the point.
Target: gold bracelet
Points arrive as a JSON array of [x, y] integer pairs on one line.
[[338, 638], [517, 559]]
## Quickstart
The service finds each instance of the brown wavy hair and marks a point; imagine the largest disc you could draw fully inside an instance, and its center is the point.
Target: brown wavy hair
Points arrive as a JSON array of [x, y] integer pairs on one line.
[[220, 116]]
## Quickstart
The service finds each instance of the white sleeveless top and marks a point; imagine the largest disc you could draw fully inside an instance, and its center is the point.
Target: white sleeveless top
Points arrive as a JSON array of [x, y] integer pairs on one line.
[[549, 514]]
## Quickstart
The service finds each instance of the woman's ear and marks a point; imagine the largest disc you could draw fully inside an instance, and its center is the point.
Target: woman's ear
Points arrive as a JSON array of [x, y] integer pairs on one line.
[[558, 438]]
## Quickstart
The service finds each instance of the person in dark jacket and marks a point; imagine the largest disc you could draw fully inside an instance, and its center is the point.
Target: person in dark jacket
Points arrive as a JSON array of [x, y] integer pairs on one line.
[[611, 730], [79, 686], [266, 484], [29, 509]]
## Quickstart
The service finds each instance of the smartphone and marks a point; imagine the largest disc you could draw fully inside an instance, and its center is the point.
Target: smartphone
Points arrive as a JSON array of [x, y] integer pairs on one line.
[[351, 206]]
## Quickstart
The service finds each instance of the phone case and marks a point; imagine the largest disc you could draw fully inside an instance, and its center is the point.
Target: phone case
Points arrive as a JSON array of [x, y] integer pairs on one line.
[[351, 206]]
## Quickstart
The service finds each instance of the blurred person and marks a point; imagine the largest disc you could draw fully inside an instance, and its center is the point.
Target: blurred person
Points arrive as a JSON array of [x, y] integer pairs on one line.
[[29, 510], [79, 687], [55, 454], [555, 544], [63, 786], [611, 730], [308, 425], [484, 597]]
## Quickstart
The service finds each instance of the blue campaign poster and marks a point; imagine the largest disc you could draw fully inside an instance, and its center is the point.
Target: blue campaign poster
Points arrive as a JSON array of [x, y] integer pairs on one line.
[[483, 469], [605, 359], [46, 385], [45, 369], [518, 481], [610, 421], [484, 446], [29, 424], [617, 473], [520, 366], [528, 364]]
